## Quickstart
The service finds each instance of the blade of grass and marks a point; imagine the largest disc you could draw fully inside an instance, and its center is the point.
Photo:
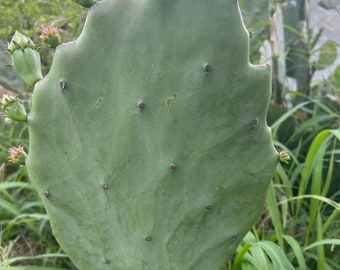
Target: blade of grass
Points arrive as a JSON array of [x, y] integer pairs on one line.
[[9, 207], [285, 180], [32, 217], [332, 218], [248, 266], [313, 122], [315, 190], [275, 126], [328, 181], [319, 237], [275, 214], [276, 254], [32, 205], [297, 251], [239, 257], [284, 212], [309, 164], [318, 197], [322, 243], [260, 259], [26, 258], [255, 255], [22, 185], [336, 133]]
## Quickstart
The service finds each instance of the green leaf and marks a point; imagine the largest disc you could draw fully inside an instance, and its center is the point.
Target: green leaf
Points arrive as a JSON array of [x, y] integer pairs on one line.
[[319, 140], [323, 242], [328, 54], [9, 207], [275, 213], [7, 185], [336, 133], [317, 197], [276, 254], [320, 249], [297, 251], [239, 257], [336, 77], [3, 265]]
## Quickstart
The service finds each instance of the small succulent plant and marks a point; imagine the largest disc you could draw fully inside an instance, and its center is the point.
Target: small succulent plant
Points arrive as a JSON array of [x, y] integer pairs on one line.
[[25, 58], [13, 108]]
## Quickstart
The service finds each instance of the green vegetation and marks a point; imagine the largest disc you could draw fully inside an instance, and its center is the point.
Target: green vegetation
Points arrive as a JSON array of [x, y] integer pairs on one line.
[[300, 225]]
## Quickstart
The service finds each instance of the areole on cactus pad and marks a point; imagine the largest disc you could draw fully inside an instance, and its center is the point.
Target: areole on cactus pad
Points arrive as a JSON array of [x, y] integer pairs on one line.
[[148, 137]]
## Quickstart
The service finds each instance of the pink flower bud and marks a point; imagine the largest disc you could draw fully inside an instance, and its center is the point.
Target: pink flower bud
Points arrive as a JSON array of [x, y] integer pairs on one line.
[[17, 154], [50, 36]]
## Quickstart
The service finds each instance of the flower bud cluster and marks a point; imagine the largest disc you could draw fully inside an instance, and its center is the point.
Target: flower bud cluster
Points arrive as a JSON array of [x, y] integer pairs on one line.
[[13, 108]]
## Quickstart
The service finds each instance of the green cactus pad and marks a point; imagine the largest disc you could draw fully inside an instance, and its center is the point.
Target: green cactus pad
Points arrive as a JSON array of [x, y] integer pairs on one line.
[[149, 144]]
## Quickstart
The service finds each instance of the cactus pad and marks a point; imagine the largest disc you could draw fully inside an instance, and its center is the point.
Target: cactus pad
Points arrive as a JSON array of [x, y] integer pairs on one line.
[[149, 144]]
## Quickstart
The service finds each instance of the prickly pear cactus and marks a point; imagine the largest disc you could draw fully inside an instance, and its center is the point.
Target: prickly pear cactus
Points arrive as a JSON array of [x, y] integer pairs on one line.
[[149, 144]]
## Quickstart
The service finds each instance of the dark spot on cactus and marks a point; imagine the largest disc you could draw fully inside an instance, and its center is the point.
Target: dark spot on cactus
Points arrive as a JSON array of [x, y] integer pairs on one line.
[[100, 99], [105, 187], [254, 123], [62, 84], [207, 68], [235, 236], [171, 99], [141, 106], [47, 195], [268, 65], [148, 239], [208, 206], [107, 261], [251, 32], [172, 167]]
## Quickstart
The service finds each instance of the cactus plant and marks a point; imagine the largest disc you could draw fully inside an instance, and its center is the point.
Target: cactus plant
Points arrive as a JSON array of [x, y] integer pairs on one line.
[[148, 137]]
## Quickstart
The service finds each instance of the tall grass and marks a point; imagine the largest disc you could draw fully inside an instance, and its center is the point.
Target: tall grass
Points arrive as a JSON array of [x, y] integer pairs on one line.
[[300, 228], [25, 233]]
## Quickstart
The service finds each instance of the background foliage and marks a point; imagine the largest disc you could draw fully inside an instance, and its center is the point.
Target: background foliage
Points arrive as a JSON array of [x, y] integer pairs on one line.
[[28, 17]]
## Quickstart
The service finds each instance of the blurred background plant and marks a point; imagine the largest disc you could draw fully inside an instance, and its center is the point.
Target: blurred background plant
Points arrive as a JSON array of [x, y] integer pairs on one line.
[[25, 234], [28, 17], [300, 225]]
